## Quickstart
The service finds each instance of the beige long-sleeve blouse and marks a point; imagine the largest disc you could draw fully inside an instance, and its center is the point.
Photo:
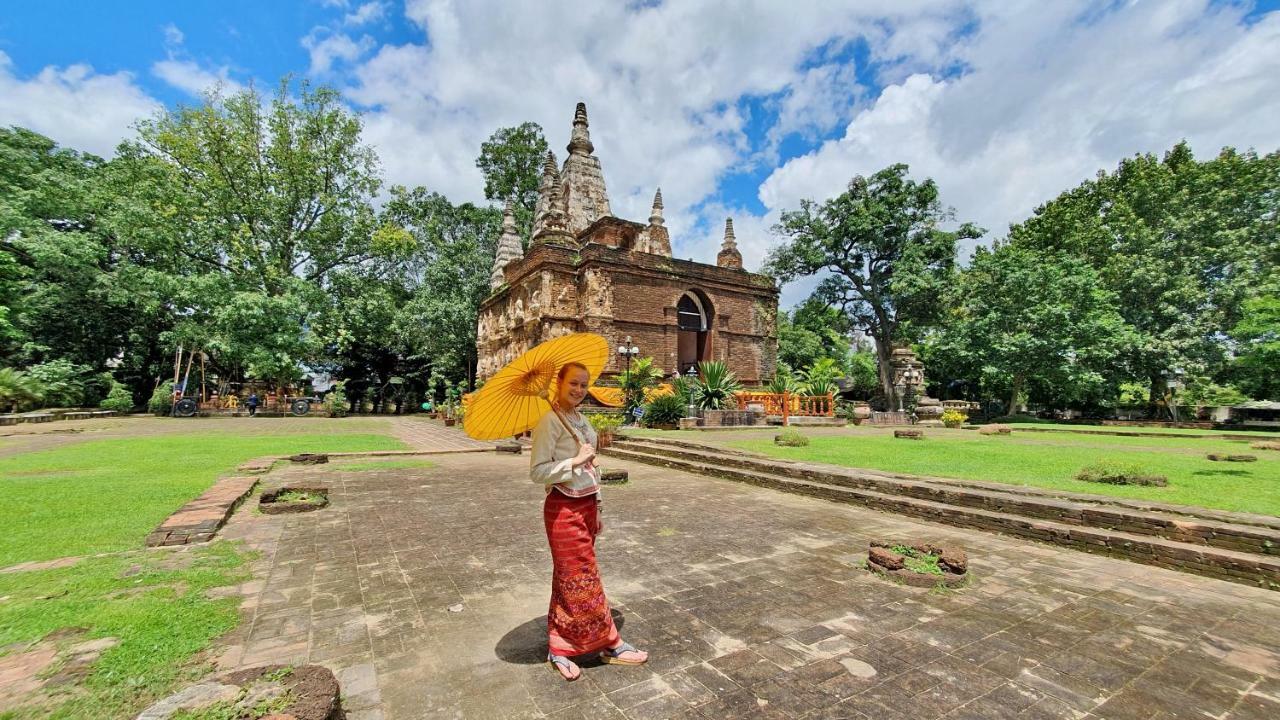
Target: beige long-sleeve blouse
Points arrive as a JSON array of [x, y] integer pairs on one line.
[[551, 457]]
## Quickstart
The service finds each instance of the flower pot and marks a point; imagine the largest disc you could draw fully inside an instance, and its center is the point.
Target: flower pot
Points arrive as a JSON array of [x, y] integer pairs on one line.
[[449, 422]]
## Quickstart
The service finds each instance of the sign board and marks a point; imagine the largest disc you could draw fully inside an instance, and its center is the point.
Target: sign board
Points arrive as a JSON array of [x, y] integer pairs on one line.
[[638, 412]]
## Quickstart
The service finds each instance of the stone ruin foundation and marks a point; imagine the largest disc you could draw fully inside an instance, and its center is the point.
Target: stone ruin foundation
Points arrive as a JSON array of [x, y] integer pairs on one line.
[[308, 692], [309, 459], [884, 560]]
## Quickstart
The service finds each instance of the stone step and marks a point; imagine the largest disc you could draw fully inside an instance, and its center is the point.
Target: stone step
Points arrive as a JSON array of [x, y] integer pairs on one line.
[[1231, 531], [1238, 566]]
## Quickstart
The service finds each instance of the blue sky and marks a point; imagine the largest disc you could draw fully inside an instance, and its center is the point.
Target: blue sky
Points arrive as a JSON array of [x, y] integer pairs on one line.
[[1004, 102]]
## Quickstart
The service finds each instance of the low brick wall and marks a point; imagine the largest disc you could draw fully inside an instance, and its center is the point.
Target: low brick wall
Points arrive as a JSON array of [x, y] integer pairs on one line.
[[731, 418], [198, 520]]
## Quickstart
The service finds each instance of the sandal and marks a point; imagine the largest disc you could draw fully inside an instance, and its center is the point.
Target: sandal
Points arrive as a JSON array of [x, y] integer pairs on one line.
[[563, 665], [613, 656]]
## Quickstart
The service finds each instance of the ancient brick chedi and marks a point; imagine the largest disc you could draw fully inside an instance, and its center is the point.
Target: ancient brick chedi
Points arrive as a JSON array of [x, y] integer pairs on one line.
[[588, 271]]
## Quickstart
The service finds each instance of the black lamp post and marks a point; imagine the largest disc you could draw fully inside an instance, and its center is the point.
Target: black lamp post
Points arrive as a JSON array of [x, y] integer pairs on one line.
[[629, 351]]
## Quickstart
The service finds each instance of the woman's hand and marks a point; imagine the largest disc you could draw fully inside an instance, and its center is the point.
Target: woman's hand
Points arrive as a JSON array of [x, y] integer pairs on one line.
[[586, 455]]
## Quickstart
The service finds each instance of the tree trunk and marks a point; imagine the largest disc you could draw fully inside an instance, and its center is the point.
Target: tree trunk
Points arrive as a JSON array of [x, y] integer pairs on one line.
[[1018, 382], [884, 352]]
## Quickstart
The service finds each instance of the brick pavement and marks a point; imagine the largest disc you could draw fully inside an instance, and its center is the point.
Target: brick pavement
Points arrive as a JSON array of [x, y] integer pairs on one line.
[[420, 433], [199, 519], [753, 603]]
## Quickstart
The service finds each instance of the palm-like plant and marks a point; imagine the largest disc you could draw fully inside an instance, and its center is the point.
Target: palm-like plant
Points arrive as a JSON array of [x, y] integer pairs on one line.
[[18, 388], [642, 375], [715, 386], [784, 381], [820, 378]]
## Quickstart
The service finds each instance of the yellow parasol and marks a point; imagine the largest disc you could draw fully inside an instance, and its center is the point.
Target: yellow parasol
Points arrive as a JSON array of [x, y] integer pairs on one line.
[[514, 399]]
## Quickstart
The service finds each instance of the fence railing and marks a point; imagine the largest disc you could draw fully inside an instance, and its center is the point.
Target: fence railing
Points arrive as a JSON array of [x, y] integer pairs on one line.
[[787, 404]]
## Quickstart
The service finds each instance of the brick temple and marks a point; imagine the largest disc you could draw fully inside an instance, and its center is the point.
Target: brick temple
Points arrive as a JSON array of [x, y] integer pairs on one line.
[[588, 271]]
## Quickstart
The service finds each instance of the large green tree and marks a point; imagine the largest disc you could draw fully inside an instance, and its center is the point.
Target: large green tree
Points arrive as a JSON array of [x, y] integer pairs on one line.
[[1181, 244], [885, 253], [242, 209], [446, 275], [62, 296], [1033, 324], [511, 161]]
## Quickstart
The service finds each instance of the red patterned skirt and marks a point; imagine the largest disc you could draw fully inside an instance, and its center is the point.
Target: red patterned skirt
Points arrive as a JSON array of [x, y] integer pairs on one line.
[[578, 621]]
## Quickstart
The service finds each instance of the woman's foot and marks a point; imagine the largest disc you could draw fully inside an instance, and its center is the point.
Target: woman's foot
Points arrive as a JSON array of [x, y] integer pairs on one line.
[[624, 654], [566, 667]]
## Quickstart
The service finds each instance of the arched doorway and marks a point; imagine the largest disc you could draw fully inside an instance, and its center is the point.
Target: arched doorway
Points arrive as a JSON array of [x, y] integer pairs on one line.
[[693, 322]]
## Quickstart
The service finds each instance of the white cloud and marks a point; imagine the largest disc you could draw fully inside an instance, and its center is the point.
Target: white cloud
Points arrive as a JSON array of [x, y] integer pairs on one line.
[[1048, 99], [75, 106], [173, 36], [185, 74], [326, 48], [662, 85], [365, 14], [190, 77]]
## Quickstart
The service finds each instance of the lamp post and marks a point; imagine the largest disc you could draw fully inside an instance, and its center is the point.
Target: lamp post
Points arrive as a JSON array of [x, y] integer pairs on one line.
[[629, 351]]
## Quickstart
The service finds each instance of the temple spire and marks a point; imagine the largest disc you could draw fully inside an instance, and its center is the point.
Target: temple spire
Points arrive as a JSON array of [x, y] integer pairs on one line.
[[509, 249], [657, 239], [580, 138], [553, 224], [655, 215], [581, 179], [729, 257], [550, 178]]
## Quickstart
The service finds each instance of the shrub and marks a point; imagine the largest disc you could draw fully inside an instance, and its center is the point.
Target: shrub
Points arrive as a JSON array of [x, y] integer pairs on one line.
[[605, 423], [820, 378], [663, 410], [335, 403], [63, 382], [119, 399], [790, 438], [1119, 473], [161, 402], [18, 390], [642, 376], [953, 418], [784, 381], [715, 386]]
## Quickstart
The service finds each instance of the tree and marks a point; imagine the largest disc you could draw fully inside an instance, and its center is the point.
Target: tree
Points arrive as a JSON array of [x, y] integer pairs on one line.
[[641, 376], [1257, 348], [262, 194], [447, 276], [511, 161], [62, 295], [1182, 244], [1027, 322], [887, 257], [811, 331]]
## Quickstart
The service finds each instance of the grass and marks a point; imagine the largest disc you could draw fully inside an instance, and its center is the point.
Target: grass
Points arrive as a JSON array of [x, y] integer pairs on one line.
[[1262, 434], [106, 495], [1051, 460], [155, 604], [99, 499], [299, 496], [915, 561], [379, 465]]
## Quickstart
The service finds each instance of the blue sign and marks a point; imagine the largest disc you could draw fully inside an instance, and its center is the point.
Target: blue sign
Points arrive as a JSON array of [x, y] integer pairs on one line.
[[637, 412]]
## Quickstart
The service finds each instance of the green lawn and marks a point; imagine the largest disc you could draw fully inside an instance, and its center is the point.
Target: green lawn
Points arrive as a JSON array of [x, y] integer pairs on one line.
[[106, 495], [101, 498], [1260, 434], [1051, 460], [154, 604]]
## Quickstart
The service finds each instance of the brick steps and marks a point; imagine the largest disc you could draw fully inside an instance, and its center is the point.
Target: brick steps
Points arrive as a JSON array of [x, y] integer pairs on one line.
[[1241, 553]]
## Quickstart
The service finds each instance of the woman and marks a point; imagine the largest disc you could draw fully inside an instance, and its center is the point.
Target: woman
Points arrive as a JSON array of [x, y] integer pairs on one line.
[[563, 461]]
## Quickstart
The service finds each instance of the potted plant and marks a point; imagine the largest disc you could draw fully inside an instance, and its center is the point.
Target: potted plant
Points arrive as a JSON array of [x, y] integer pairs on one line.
[[605, 425], [953, 418]]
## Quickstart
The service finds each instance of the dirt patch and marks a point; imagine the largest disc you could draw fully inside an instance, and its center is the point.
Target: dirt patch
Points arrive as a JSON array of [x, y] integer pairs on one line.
[[1224, 457], [293, 500], [62, 658], [309, 458], [309, 692]]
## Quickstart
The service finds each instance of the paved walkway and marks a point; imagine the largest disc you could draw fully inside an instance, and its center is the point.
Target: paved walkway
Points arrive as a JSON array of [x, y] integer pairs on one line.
[[419, 433], [424, 589]]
